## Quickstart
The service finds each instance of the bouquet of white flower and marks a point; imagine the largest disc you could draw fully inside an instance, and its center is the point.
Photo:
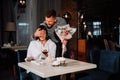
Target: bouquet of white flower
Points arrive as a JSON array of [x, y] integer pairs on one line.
[[64, 32]]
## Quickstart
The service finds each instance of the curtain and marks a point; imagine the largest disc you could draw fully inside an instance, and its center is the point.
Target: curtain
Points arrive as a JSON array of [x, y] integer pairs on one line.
[[34, 14], [44, 5]]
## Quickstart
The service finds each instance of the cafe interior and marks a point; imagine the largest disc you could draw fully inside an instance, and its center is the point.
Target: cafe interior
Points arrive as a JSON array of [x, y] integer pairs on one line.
[[97, 39]]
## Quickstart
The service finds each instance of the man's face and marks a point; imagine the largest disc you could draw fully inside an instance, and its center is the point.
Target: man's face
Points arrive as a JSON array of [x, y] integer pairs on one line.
[[50, 21]]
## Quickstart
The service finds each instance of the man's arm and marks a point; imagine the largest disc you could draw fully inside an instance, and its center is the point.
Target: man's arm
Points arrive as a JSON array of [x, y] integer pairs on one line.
[[35, 35]]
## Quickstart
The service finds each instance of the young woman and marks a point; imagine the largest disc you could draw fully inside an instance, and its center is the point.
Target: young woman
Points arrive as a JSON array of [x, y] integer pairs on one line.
[[42, 47]]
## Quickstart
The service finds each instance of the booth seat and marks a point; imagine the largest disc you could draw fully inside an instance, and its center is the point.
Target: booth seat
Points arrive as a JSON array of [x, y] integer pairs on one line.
[[108, 66]]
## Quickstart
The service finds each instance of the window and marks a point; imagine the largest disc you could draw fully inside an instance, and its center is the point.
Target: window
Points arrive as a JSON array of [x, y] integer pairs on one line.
[[97, 28]]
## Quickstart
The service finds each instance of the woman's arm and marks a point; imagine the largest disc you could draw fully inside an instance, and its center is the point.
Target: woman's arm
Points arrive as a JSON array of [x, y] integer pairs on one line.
[[52, 49], [33, 50]]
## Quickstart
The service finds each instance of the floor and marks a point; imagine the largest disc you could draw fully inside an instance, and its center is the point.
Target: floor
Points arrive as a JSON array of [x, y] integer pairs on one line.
[[7, 74]]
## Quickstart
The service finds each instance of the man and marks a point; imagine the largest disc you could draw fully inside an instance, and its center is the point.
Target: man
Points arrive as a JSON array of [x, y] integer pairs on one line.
[[51, 22]]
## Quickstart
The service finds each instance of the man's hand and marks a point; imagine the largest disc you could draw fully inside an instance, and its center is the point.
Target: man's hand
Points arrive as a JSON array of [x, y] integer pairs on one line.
[[65, 41], [37, 33]]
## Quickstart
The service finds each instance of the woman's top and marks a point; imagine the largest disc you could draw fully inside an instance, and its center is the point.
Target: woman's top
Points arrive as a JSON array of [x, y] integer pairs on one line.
[[36, 47]]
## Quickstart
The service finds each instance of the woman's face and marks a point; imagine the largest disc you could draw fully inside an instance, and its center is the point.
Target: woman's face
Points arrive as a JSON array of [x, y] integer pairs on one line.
[[42, 35], [50, 21]]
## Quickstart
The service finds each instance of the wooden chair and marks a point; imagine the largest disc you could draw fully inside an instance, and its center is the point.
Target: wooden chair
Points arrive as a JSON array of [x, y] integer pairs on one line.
[[106, 44], [112, 45], [8, 61]]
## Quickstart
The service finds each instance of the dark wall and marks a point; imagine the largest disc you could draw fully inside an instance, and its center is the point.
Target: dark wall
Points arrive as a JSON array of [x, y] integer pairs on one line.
[[99, 7], [1, 37], [106, 11], [6, 15]]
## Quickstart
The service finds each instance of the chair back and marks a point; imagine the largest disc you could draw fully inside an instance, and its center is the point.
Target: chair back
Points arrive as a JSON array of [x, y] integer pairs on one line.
[[105, 60], [21, 55], [112, 45]]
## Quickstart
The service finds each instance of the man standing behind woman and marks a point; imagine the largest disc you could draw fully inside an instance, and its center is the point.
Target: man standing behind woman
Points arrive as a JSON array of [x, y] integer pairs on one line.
[[37, 48], [51, 22]]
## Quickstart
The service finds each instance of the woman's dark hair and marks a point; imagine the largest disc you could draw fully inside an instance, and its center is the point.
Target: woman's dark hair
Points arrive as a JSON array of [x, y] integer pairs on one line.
[[42, 27]]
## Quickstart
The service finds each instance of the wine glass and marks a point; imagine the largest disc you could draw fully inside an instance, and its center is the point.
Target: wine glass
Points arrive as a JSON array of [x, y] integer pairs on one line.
[[45, 52]]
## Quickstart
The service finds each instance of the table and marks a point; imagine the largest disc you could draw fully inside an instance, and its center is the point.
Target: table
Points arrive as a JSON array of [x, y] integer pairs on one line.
[[15, 48], [47, 70]]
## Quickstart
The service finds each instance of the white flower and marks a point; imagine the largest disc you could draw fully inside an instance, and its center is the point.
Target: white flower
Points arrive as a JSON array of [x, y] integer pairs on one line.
[[65, 32]]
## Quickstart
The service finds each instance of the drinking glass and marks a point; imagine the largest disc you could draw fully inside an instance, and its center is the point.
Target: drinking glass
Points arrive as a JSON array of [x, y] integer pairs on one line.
[[45, 51]]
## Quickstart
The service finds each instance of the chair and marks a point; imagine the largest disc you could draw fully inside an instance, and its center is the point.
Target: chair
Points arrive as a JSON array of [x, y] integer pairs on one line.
[[108, 66], [112, 45], [8, 61], [21, 55], [106, 44]]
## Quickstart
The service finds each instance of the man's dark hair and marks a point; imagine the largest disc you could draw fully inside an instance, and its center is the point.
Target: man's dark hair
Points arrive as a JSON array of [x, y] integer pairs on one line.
[[51, 13]]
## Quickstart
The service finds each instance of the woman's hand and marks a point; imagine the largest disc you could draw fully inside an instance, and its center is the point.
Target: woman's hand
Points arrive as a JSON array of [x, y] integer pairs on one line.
[[29, 59], [50, 58]]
